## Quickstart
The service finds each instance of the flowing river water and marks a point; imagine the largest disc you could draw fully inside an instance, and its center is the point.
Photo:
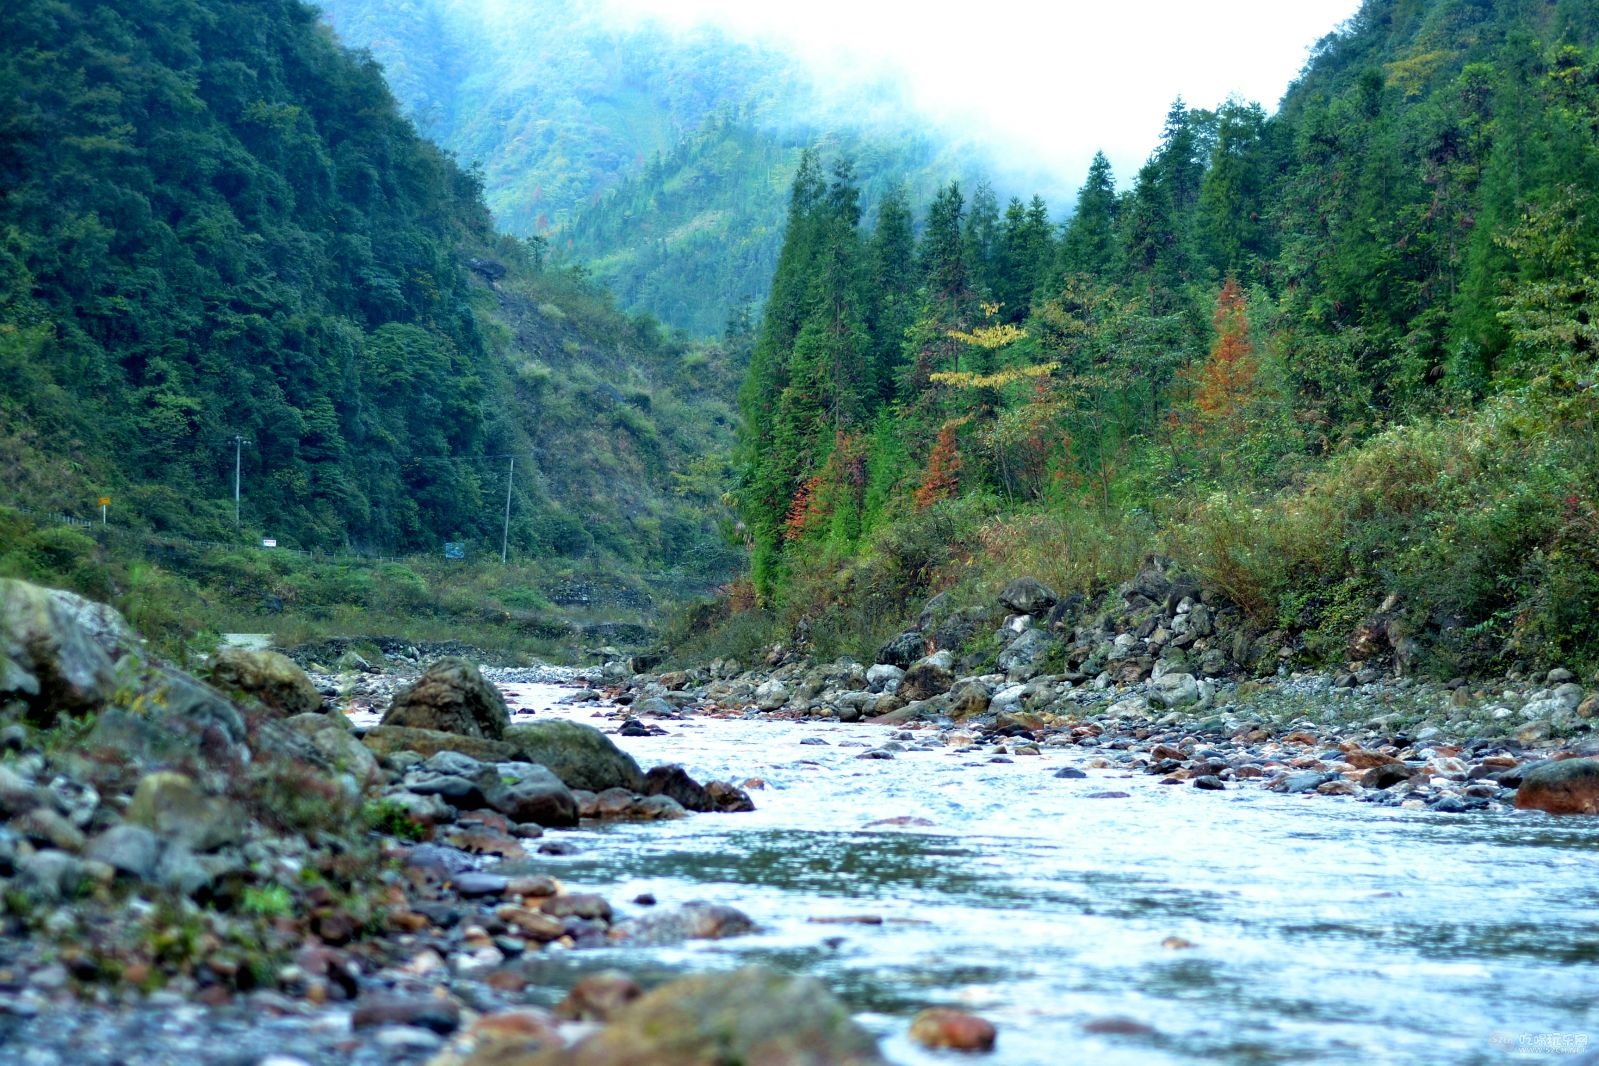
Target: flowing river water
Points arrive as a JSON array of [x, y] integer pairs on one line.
[[1322, 930]]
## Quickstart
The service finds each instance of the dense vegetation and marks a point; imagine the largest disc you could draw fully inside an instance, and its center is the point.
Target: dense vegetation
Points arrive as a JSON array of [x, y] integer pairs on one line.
[[1332, 359], [214, 223]]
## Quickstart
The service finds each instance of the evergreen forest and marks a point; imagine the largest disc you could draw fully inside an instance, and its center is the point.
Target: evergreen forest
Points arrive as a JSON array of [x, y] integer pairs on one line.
[[1332, 358]]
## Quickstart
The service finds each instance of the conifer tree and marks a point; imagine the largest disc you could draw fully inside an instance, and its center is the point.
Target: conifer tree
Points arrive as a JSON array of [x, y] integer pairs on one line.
[[1088, 246]]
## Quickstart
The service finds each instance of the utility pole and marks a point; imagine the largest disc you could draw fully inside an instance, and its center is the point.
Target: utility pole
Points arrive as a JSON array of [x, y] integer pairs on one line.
[[505, 538], [238, 464]]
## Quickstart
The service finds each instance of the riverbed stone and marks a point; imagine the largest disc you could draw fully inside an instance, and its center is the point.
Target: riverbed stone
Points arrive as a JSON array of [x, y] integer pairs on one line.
[[340, 750], [529, 792], [968, 699], [771, 695], [580, 755], [173, 807], [268, 676], [944, 1028], [389, 740], [904, 649], [451, 697], [1023, 658], [673, 781], [57, 650], [695, 920], [1567, 786], [1174, 691], [752, 1015], [931, 675]]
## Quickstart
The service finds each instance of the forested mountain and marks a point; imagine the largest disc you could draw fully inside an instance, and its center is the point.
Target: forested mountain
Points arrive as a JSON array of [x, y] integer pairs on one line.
[[1337, 359], [215, 223], [657, 159]]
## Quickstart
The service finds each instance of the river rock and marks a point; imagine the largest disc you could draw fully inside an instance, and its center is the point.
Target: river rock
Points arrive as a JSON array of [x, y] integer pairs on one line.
[[1174, 691], [771, 695], [1028, 596], [387, 740], [175, 809], [944, 1028], [695, 920], [672, 780], [442, 1016], [452, 697], [752, 1016], [128, 849], [1567, 786], [580, 755], [598, 997], [968, 699], [57, 650], [904, 649], [338, 749], [927, 677], [528, 792], [17, 793], [267, 676], [1023, 658]]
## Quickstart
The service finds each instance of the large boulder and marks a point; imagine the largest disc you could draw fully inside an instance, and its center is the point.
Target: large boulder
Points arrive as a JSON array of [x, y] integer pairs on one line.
[[1174, 690], [1567, 786], [751, 1015], [451, 697], [267, 676], [1028, 595], [903, 649], [928, 677], [1023, 658], [580, 755], [57, 650]]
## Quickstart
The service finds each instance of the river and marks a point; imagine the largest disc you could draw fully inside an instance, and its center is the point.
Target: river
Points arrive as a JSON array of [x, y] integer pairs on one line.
[[1318, 929]]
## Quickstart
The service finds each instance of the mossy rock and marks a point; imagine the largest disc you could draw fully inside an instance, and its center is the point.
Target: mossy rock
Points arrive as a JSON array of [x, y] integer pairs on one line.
[[267, 676], [752, 1015], [391, 739], [580, 755]]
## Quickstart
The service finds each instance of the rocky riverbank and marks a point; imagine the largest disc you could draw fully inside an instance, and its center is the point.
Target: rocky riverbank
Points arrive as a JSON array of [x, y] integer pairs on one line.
[[250, 864]]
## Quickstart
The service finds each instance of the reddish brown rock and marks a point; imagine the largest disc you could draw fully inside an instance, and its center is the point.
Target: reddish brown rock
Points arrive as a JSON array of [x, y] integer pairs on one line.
[[1567, 786], [598, 997], [954, 1030]]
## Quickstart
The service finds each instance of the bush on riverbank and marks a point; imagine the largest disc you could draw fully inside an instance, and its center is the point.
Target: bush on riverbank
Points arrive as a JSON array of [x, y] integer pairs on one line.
[[1476, 537]]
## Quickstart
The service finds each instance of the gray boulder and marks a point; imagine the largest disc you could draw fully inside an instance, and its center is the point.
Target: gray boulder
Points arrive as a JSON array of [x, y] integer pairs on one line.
[[927, 677], [267, 676], [128, 849], [54, 653], [527, 792], [1174, 691], [175, 809], [451, 697], [1028, 596], [580, 755], [672, 780], [1023, 658]]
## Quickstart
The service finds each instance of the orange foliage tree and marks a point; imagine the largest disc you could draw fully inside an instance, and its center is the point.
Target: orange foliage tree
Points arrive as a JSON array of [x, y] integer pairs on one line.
[[943, 468], [1226, 382]]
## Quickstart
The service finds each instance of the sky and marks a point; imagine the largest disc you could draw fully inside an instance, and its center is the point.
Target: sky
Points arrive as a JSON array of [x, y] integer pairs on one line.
[[1042, 84]]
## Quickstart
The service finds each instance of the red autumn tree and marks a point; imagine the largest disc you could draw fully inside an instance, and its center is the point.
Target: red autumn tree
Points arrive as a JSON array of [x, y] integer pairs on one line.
[[1225, 384], [943, 469]]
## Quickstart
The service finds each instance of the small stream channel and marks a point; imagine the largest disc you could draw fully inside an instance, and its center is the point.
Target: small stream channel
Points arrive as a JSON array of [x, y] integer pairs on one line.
[[1323, 930]]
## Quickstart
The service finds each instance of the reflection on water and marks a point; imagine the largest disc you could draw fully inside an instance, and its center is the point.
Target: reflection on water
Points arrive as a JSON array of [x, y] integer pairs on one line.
[[1324, 930]]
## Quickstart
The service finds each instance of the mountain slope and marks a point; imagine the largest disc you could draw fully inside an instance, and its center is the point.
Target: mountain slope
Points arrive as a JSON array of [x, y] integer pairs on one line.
[[215, 223]]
